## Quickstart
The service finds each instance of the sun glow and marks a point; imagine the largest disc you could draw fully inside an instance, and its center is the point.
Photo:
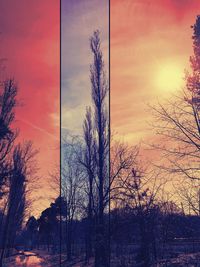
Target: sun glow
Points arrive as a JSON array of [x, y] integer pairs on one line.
[[169, 77]]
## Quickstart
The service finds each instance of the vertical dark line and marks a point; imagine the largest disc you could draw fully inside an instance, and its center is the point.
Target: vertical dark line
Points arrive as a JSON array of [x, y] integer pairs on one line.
[[60, 138], [109, 126]]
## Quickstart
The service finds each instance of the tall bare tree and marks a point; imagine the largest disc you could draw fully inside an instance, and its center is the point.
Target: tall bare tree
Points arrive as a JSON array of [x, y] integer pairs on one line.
[[8, 102], [99, 96], [21, 168]]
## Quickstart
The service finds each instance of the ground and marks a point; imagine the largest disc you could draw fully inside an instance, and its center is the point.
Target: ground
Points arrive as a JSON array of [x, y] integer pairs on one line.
[[39, 258], [36, 258], [183, 260]]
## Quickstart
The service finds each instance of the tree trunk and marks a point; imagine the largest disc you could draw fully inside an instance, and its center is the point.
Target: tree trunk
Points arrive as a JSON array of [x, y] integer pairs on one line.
[[69, 241], [89, 225]]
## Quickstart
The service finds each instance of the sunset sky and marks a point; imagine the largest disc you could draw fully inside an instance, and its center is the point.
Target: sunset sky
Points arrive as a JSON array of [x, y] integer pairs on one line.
[[79, 20], [150, 48], [30, 44]]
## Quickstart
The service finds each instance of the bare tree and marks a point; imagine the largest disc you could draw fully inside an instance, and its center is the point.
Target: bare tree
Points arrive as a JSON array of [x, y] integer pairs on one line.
[[188, 196], [72, 192], [123, 158], [140, 191], [99, 96], [21, 169], [177, 123], [7, 134], [88, 162]]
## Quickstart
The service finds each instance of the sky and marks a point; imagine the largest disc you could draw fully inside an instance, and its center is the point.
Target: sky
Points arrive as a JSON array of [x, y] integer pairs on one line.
[[29, 36], [79, 19], [150, 49]]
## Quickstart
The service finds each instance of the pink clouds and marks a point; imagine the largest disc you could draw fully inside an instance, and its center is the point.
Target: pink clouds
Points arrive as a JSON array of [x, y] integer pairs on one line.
[[145, 36], [30, 42]]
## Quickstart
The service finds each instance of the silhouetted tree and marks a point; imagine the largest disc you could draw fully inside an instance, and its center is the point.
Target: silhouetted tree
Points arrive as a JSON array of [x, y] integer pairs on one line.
[[99, 95], [21, 168], [8, 103], [72, 192], [7, 134], [89, 163], [49, 224], [32, 231], [177, 123]]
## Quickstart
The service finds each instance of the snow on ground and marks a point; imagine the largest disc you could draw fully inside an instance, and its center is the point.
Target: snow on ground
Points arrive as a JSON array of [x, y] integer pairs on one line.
[[32, 259], [183, 260], [39, 258]]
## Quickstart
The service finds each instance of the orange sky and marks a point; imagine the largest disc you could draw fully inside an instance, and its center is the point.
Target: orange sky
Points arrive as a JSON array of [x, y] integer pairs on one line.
[[30, 44], [150, 48], [150, 43]]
